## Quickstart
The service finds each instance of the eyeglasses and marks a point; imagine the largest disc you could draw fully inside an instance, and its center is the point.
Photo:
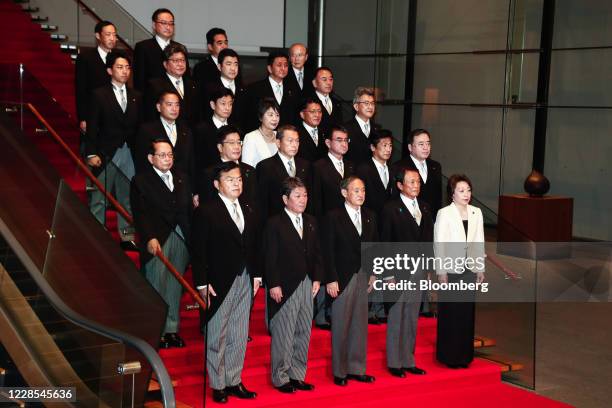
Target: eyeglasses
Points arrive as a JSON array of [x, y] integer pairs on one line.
[[342, 140], [164, 155], [177, 60], [367, 103], [234, 143], [165, 23]]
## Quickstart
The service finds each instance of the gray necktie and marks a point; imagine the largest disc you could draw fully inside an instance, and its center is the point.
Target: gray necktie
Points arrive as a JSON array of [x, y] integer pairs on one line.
[[123, 100], [172, 133], [298, 223], [357, 222], [328, 105], [385, 177], [279, 93], [424, 171], [341, 168], [301, 79], [366, 128], [291, 168], [416, 212], [179, 88], [166, 178], [315, 136], [237, 218]]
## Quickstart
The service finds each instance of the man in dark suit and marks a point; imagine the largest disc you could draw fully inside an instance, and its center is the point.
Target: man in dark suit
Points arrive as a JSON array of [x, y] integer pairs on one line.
[[176, 80], [376, 177], [229, 146], [272, 171], [361, 125], [323, 84], [148, 54], [273, 86], [312, 138], [207, 70], [229, 68], [161, 200], [221, 102], [90, 69], [225, 243], [300, 75], [344, 231], [168, 127], [405, 219], [111, 129], [293, 272]]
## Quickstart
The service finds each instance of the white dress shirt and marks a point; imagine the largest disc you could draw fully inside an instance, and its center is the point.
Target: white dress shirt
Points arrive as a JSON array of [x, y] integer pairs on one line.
[[410, 203], [217, 122], [286, 161], [383, 171], [170, 130], [421, 167], [310, 131], [326, 101], [102, 54], [294, 217], [178, 84], [161, 42], [354, 215], [161, 174], [229, 84], [362, 125], [297, 76], [338, 164], [117, 90], [277, 95]]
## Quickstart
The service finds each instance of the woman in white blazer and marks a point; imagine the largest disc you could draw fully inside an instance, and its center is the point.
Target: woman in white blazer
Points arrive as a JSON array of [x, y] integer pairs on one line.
[[459, 235], [261, 143]]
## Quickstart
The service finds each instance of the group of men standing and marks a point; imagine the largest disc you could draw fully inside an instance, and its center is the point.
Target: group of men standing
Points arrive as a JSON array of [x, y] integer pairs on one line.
[[329, 188]]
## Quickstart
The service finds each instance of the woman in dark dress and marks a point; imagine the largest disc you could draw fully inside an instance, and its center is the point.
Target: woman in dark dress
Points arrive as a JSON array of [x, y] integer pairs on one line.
[[459, 234]]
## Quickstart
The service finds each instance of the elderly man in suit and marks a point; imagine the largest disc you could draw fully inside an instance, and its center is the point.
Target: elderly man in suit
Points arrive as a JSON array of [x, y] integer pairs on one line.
[[225, 243], [114, 118], [90, 69], [362, 125], [323, 90], [300, 75], [161, 200], [344, 231], [405, 219], [148, 54], [312, 138], [293, 272]]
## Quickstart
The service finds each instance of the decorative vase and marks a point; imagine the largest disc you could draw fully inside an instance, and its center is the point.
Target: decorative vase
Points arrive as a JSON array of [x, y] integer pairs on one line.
[[536, 184]]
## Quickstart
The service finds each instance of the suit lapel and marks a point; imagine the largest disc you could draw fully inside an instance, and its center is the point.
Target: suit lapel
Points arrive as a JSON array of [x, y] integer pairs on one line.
[[280, 167], [229, 221], [288, 223], [407, 215], [350, 227]]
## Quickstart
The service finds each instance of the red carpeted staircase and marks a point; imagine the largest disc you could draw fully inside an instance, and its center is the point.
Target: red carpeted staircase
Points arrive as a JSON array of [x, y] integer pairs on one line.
[[49, 86]]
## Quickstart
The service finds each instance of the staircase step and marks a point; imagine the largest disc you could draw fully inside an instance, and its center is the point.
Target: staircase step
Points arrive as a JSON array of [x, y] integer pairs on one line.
[[30, 9], [68, 47], [39, 18], [59, 37], [48, 27]]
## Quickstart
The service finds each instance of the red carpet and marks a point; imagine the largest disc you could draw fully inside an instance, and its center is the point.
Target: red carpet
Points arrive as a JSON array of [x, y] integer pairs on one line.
[[478, 386]]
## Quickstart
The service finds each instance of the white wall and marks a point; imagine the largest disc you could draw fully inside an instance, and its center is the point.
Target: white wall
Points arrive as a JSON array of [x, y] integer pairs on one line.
[[249, 23]]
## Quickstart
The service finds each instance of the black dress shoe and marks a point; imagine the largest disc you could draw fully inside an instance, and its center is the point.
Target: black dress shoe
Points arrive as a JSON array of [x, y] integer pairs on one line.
[[414, 370], [301, 385], [129, 246], [361, 378], [427, 314], [286, 388], [164, 343], [249, 339], [373, 320], [240, 391], [175, 340], [340, 381], [382, 320], [220, 396], [397, 372], [324, 326]]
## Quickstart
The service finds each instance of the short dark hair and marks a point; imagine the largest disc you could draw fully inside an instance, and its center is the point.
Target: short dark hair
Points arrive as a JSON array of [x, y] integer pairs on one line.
[[224, 167], [308, 101], [157, 12], [378, 135], [322, 69], [280, 132], [277, 54], [265, 104], [227, 52], [335, 128], [210, 35], [101, 24], [417, 132], [290, 184], [155, 142], [174, 48], [452, 184], [400, 174], [112, 56], [226, 130], [347, 182], [163, 94], [219, 92]]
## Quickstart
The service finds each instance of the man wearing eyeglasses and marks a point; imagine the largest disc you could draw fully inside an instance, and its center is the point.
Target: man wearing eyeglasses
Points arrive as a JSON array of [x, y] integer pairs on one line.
[[312, 137], [161, 204], [175, 80], [361, 126], [148, 54]]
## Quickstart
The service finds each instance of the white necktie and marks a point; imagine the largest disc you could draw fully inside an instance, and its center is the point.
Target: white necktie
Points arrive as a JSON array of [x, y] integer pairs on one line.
[[424, 171], [279, 93], [179, 87], [385, 176], [291, 168], [366, 129], [328, 105], [166, 178], [357, 222], [301, 79], [123, 100], [315, 136], [298, 223], [232, 87], [237, 218], [416, 212]]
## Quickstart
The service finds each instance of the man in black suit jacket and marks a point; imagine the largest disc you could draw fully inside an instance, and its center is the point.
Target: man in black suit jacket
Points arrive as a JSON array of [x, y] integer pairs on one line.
[[111, 129], [377, 179], [90, 69], [405, 219], [293, 272], [176, 80], [361, 126], [323, 91], [229, 68], [221, 102], [225, 243], [207, 70], [161, 200], [419, 147], [148, 54], [344, 231], [272, 171], [273, 86], [167, 126], [312, 138], [229, 147], [300, 74]]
